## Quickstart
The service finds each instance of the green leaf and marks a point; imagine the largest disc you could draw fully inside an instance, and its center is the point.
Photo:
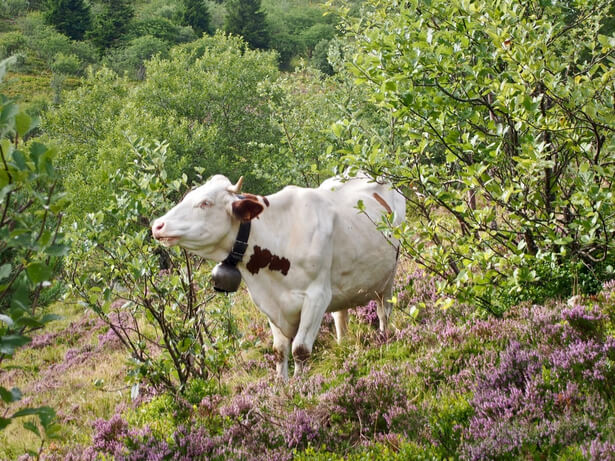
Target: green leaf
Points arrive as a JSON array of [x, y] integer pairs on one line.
[[5, 190], [23, 122], [9, 343], [5, 271], [4, 64], [20, 160], [36, 150], [45, 414], [10, 396], [29, 425], [6, 319], [57, 250], [4, 422], [7, 112], [50, 318], [38, 272]]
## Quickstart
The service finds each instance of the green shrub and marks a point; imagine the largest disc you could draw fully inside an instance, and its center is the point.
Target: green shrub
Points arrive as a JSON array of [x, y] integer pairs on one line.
[[498, 126], [296, 29], [68, 64], [44, 42], [130, 60], [319, 59], [11, 9], [31, 248], [204, 100], [162, 29], [161, 306], [11, 43]]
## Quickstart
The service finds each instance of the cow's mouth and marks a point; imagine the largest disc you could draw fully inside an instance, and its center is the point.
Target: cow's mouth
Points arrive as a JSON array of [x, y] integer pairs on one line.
[[168, 241]]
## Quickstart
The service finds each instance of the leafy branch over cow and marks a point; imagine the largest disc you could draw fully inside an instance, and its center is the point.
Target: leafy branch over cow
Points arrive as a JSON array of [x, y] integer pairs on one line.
[[306, 251]]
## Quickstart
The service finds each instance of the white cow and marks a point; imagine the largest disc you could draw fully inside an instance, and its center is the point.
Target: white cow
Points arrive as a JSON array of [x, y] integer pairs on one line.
[[310, 251]]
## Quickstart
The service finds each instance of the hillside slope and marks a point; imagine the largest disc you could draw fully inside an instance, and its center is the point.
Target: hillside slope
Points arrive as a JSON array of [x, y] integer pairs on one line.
[[537, 383]]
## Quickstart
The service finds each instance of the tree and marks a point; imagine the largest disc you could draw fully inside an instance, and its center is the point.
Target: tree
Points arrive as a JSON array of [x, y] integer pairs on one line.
[[295, 28], [246, 19], [70, 17], [496, 119], [196, 15], [112, 24]]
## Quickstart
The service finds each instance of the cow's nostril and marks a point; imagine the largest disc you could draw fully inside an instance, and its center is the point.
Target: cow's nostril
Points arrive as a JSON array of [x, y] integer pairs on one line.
[[158, 226]]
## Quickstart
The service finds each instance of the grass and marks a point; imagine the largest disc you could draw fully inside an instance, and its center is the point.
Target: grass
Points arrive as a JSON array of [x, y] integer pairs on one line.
[[95, 387], [71, 392]]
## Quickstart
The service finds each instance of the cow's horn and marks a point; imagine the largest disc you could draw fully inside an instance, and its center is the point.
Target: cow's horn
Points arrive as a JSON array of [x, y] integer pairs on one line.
[[236, 189]]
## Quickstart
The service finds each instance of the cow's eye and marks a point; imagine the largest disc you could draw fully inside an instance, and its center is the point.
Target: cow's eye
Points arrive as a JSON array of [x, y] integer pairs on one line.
[[205, 204]]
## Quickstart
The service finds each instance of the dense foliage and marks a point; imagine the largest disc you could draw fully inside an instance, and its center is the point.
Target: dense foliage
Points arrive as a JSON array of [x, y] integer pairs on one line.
[[197, 16], [31, 247], [297, 29], [112, 24], [204, 100], [497, 118]]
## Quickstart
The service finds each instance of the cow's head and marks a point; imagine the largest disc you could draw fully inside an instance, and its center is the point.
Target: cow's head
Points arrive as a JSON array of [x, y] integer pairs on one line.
[[206, 220]]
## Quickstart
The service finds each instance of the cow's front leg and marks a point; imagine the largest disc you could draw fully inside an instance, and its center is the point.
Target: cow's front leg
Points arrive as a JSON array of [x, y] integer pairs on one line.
[[281, 348], [313, 310]]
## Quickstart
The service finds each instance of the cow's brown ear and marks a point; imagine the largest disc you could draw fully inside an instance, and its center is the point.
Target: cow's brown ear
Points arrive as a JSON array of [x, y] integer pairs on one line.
[[246, 209]]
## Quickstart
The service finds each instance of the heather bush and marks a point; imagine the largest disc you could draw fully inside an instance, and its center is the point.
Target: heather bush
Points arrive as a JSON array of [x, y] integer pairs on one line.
[[540, 398], [377, 404], [536, 383]]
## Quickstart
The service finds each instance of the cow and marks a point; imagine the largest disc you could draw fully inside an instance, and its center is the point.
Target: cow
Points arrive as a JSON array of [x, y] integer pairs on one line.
[[308, 251]]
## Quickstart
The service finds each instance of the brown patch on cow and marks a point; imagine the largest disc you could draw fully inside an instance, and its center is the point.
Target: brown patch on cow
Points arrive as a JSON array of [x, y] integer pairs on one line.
[[382, 202], [301, 354], [266, 200], [279, 264], [262, 258]]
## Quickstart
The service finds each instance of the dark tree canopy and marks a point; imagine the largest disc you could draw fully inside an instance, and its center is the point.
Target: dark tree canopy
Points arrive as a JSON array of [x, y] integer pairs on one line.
[[246, 18], [70, 17], [196, 15], [112, 24]]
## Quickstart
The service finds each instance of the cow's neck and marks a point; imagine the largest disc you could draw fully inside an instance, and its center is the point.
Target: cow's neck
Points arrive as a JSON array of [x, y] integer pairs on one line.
[[240, 245], [265, 244]]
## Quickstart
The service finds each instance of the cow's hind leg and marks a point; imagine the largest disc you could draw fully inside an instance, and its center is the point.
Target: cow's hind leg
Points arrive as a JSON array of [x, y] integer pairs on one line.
[[281, 348], [384, 307], [341, 324]]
